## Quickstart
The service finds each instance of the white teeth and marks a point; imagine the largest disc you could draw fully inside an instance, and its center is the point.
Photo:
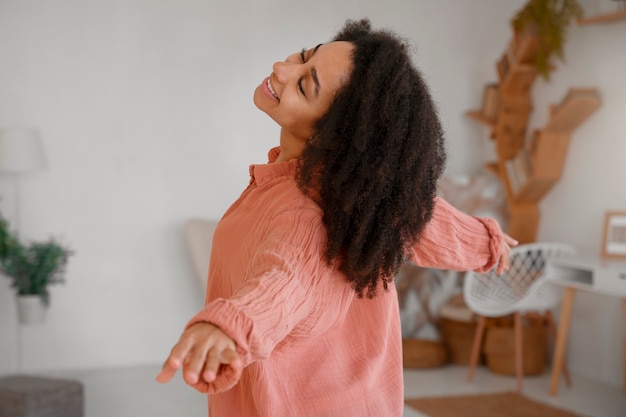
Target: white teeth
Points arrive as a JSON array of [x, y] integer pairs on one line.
[[269, 86]]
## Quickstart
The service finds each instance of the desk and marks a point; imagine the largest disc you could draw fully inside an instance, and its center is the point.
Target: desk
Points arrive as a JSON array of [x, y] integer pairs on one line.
[[583, 274]]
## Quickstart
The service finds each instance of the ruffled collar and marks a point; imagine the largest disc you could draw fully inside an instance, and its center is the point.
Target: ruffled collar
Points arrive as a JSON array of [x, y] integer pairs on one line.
[[263, 173]]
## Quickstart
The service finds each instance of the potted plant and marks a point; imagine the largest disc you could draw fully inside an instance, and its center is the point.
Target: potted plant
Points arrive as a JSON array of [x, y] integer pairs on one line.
[[32, 268], [548, 20]]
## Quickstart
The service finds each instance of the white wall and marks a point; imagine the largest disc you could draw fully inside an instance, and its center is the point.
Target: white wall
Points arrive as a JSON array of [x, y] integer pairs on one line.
[[592, 183], [145, 108]]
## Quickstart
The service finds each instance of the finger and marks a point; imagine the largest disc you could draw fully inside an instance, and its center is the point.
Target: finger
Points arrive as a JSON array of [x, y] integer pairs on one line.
[[212, 365], [194, 364], [232, 358], [173, 362], [504, 262], [501, 264], [227, 357], [500, 267], [510, 241], [167, 372], [202, 386], [236, 365]]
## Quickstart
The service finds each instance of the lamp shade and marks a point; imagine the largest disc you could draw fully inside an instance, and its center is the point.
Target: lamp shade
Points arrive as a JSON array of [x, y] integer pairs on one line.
[[20, 150]]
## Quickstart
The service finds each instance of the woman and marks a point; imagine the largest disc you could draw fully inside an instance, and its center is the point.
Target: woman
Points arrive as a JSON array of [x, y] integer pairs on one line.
[[301, 315]]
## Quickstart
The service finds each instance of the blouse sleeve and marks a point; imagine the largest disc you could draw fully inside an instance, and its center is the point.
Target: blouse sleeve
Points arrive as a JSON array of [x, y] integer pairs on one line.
[[286, 291], [457, 241]]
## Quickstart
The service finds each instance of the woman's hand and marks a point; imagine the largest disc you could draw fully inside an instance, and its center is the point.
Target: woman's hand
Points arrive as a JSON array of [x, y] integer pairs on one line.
[[208, 357], [507, 243]]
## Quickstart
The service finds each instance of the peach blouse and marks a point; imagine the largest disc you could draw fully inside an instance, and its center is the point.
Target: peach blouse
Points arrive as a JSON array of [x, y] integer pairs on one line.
[[310, 346]]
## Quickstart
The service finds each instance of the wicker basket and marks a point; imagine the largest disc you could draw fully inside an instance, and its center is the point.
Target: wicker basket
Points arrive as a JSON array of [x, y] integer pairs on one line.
[[419, 353], [458, 337], [458, 324], [499, 349]]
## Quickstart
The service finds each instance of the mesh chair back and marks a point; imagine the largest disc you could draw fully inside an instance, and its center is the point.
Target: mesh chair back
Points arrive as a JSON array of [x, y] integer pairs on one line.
[[521, 287]]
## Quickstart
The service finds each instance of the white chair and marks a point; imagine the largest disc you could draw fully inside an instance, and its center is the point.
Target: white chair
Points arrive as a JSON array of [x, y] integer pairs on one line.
[[522, 289]]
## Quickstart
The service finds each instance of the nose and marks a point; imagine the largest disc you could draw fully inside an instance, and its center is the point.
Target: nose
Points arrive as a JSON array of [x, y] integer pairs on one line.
[[285, 70]]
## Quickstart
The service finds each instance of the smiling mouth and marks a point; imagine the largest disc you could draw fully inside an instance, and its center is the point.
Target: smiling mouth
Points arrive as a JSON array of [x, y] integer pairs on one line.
[[269, 87]]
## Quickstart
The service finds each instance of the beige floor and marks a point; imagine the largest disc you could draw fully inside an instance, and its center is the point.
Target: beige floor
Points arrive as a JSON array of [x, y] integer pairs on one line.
[[132, 392]]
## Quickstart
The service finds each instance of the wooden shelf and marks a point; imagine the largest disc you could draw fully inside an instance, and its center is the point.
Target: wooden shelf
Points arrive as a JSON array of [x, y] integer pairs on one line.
[[518, 78], [574, 109], [480, 117], [523, 47], [493, 168], [604, 18], [534, 190]]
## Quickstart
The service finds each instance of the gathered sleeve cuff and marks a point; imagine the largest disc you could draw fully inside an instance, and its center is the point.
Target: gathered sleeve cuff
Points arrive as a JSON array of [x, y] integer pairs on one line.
[[458, 241], [237, 323], [229, 319]]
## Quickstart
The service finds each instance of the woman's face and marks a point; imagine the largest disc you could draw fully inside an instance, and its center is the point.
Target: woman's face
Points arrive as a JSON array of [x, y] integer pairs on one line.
[[301, 89]]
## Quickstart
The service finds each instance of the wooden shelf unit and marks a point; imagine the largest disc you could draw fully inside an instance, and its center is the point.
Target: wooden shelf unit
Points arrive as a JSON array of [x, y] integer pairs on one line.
[[518, 78], [604, 18], [528, 171], [480, 117], [493, 168]]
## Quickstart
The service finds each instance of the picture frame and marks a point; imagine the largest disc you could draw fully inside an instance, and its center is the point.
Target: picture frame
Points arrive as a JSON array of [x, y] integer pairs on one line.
[[614, 235]]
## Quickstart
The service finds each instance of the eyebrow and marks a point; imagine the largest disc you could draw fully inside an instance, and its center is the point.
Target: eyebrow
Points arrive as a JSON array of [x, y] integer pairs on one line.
[[316, 80]]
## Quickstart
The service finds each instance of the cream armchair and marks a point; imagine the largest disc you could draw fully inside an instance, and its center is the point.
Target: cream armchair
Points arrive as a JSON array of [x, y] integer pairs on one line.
[[199, 238]]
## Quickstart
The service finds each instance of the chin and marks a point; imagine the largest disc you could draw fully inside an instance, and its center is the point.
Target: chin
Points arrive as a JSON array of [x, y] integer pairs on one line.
[[260, 99], [263, 103], [256, 96]]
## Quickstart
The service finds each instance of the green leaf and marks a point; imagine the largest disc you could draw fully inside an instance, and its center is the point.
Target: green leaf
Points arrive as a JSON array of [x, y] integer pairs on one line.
[[549, 19], [34, 267]]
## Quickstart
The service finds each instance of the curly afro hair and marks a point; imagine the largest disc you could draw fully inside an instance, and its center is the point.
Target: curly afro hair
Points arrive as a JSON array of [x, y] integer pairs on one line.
[[374, 160]]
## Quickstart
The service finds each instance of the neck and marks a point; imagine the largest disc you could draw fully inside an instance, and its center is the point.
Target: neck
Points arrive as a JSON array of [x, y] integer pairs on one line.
[[291, 147]]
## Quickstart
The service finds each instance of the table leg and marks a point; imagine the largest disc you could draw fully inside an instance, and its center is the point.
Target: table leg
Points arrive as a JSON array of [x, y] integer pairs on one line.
[[561, 339], [624, 335]]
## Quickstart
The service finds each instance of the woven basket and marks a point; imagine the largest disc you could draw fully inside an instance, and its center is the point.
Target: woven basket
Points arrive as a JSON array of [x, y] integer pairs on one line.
[[419, 353], [499, 349], [458, 337]]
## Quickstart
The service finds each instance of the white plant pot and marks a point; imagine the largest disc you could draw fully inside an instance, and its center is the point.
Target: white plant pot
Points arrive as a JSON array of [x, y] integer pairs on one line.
[[30, 309]]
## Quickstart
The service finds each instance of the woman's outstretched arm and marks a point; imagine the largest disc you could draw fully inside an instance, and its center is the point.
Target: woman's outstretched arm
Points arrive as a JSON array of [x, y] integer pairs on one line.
[[461, 242]]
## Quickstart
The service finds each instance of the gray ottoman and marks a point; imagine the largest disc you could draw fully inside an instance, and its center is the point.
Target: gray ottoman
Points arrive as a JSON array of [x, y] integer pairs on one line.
[[35, 396]]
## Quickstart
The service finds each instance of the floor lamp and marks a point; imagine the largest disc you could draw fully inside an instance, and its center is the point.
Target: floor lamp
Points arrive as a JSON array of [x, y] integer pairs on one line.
[[20, 153]]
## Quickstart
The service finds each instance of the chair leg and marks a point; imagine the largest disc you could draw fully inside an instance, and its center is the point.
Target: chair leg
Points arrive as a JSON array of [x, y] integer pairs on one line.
[[552, 328], [478, 337], [519, 354]]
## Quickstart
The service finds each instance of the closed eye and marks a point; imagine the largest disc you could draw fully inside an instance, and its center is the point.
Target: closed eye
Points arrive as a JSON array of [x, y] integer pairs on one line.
[[313, 72], [300, 87]]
